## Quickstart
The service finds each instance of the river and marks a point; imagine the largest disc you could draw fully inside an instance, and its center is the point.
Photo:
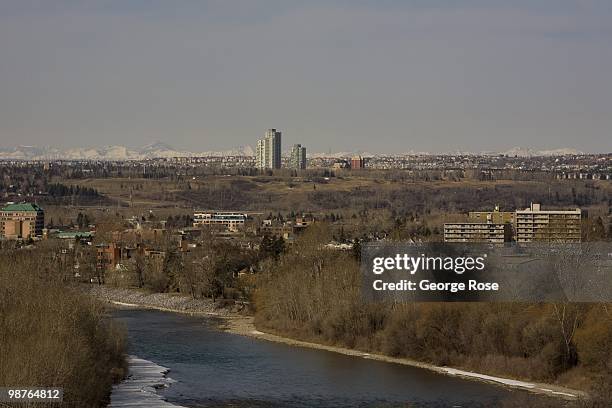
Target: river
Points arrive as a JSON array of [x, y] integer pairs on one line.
[[217, 369]]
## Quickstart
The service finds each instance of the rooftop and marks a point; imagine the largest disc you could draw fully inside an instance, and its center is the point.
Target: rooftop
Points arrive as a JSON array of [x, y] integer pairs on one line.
[[22, 207], [75, 235]]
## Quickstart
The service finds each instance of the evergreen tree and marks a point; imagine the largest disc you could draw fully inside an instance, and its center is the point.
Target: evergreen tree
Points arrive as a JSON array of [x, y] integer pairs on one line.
[[356, 249]]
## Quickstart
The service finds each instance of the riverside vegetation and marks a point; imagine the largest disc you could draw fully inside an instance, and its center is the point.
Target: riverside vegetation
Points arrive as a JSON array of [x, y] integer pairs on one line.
[[306, 292], [312, 294], [52, 335]]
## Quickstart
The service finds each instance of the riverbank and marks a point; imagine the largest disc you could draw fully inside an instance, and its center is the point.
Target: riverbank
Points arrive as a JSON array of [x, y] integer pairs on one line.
[[232, 322], [170, 302], [243, 325]]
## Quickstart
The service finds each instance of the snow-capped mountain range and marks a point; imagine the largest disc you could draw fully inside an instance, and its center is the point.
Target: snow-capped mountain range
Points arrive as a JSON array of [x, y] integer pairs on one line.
[[527, 152], [112, 153], [162, 150]]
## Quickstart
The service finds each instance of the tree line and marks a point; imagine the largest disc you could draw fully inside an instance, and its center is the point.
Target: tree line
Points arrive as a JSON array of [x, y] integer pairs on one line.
[[52, 335], [61, 190], [314, 294]]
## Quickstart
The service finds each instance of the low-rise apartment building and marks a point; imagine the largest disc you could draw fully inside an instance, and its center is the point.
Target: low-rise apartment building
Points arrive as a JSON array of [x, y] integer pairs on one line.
[[481, 232], [231, 220], [536, 225], [496, 216], [532, 224], [107, 256]]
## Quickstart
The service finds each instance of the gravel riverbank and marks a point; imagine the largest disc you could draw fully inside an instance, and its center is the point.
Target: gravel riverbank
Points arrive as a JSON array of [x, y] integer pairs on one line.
[[172, 302]]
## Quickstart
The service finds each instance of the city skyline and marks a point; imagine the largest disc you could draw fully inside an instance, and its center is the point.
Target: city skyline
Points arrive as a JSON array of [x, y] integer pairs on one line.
[[383, 76]]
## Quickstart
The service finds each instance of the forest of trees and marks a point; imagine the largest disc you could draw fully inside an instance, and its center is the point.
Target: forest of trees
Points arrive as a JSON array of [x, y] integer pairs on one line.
[[61, 190], [313, 294], [209, 270], [52, 334]]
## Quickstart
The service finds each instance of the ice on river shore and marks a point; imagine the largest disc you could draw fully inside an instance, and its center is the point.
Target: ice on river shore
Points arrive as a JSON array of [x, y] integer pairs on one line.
[[139, 389]]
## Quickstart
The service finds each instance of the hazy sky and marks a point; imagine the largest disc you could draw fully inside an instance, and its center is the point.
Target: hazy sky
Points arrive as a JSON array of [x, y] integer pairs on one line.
[[381, 76]]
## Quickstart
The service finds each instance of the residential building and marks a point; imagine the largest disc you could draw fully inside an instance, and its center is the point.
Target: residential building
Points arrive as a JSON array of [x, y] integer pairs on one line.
[[21, 221], [231, 220], [357, 162], [268, 152], [496, 216], [301, 223], [298, 157], [483, 232], [84, 236], [534, 224], [340, 164], [275, 228], [107, 256]]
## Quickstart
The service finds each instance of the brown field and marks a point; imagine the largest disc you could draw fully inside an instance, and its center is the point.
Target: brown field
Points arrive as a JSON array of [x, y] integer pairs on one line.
[[359, 199]]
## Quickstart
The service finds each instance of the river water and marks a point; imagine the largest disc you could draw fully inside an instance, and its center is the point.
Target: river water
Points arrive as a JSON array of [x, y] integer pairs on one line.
[[217, 369]]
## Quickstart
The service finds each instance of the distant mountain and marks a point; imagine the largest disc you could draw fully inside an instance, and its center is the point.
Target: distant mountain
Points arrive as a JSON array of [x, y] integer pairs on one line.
[[340, 155], [245, 150], [527, 152], [113, 153], [21, 152], [163, 150]]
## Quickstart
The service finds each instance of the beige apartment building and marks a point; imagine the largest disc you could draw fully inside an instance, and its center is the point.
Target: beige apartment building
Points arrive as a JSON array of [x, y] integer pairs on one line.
[[496, 216], [536, 225], [229, 219], [483, 232], [482, 226], [532, 224], [21, 221]]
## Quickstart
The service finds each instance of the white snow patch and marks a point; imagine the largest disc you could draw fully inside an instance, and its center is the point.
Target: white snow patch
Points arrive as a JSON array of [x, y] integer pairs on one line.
[[567, 394], [506, 381], [138, 390], [124, 304]]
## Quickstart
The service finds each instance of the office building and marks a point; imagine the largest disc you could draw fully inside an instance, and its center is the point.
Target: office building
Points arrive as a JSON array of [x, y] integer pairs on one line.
[[298, 157], [534, 224], [21, 221], [268, 150]]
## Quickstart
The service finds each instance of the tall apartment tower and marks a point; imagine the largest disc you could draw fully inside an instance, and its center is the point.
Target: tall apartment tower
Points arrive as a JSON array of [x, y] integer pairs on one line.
[[298, 157], [269, 150]]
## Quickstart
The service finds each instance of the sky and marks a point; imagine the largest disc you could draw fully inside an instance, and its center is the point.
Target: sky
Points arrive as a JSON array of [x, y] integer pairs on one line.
[[379, 76]]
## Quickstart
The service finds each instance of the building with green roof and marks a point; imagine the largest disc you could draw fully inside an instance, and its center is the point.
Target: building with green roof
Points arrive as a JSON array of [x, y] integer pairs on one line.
[[75, 235], [21, 221]]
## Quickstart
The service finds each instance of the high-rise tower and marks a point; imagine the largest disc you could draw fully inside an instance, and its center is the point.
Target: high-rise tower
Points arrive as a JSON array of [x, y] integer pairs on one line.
[[298, 157], [269, 150]]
